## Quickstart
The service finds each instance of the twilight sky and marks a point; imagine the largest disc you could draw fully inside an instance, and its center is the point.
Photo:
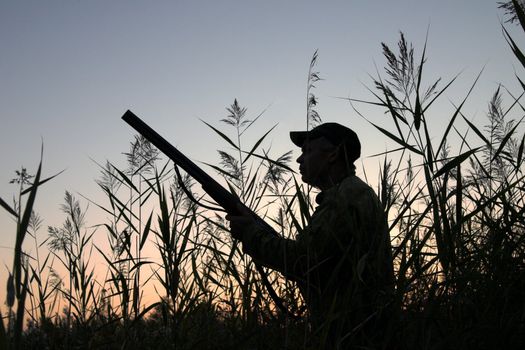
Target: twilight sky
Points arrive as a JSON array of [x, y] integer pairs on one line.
[[69, 69]]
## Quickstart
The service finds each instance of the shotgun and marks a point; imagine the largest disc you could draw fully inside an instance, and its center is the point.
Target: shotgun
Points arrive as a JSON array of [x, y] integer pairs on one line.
[[223, 197]]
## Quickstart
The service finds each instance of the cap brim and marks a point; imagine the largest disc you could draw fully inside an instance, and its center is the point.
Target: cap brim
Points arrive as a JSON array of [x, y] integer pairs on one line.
[[298, 137]]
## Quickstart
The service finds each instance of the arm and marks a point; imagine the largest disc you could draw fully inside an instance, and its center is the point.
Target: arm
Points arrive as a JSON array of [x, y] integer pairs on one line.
[[342, 238], [323, 243], [270, 250]]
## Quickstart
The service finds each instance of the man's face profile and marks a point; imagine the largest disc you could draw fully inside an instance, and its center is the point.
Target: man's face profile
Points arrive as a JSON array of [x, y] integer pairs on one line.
[[314, 163]]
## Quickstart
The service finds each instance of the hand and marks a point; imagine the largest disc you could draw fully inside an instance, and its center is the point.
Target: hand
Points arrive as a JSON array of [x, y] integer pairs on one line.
[[240, 222]]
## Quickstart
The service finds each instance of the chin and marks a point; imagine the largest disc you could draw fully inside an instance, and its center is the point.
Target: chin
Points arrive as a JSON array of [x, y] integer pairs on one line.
[[306, 180]]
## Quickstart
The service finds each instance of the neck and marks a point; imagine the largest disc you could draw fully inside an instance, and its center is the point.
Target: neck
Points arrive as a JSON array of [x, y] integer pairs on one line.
[[334, 179]]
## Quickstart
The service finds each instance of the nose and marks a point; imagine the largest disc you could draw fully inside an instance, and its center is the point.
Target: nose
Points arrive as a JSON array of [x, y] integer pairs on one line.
[[300, 159]]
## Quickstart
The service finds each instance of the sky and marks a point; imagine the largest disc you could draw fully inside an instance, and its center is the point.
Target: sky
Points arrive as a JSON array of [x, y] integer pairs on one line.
[[70, 69]]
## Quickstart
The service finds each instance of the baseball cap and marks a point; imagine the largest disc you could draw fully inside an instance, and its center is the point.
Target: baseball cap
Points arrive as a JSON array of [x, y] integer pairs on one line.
[[336, 133]]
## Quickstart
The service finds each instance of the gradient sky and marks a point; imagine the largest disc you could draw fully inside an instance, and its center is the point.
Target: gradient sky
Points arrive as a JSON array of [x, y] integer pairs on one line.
[[69, 69]]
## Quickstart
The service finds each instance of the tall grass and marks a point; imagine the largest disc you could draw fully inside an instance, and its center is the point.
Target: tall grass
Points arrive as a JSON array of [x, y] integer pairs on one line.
[[456, 218], [18, 281], [455, 212]]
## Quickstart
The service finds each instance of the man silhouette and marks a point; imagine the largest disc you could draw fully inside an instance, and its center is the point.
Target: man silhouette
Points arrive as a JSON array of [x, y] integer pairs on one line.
[[341, 260]]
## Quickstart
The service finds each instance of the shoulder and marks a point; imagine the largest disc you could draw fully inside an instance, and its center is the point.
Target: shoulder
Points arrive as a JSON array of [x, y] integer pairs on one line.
[[351, 194], [355, 194], [355, 189]]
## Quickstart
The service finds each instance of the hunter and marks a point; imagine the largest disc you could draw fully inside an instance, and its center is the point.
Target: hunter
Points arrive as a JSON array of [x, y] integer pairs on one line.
[[341, 260]]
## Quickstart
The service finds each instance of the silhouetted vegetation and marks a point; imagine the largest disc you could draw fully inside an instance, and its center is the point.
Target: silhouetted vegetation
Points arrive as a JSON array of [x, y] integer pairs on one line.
[[456, 216]]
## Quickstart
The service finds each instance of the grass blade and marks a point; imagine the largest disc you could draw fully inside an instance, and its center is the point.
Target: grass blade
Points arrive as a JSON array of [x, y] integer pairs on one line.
[[397, 139], [519, 13], [41, 182], [125, 178], [454, 116], [22, 226], [519, 158], [221, 134], [455, 162], [8, 207], [476, 130], [515, 49], [257, 144], [505, 140], [146, 231]]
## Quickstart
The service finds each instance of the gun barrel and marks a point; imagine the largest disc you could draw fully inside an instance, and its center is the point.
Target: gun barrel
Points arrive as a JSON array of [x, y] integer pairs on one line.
[[165, 147], [224, 198]]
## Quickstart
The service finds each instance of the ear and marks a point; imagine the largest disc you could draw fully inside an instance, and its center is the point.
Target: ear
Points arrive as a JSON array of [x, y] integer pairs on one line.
[[337, 153]]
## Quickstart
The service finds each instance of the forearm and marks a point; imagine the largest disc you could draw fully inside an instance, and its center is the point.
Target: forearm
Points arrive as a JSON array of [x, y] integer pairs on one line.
[[274, 251]]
